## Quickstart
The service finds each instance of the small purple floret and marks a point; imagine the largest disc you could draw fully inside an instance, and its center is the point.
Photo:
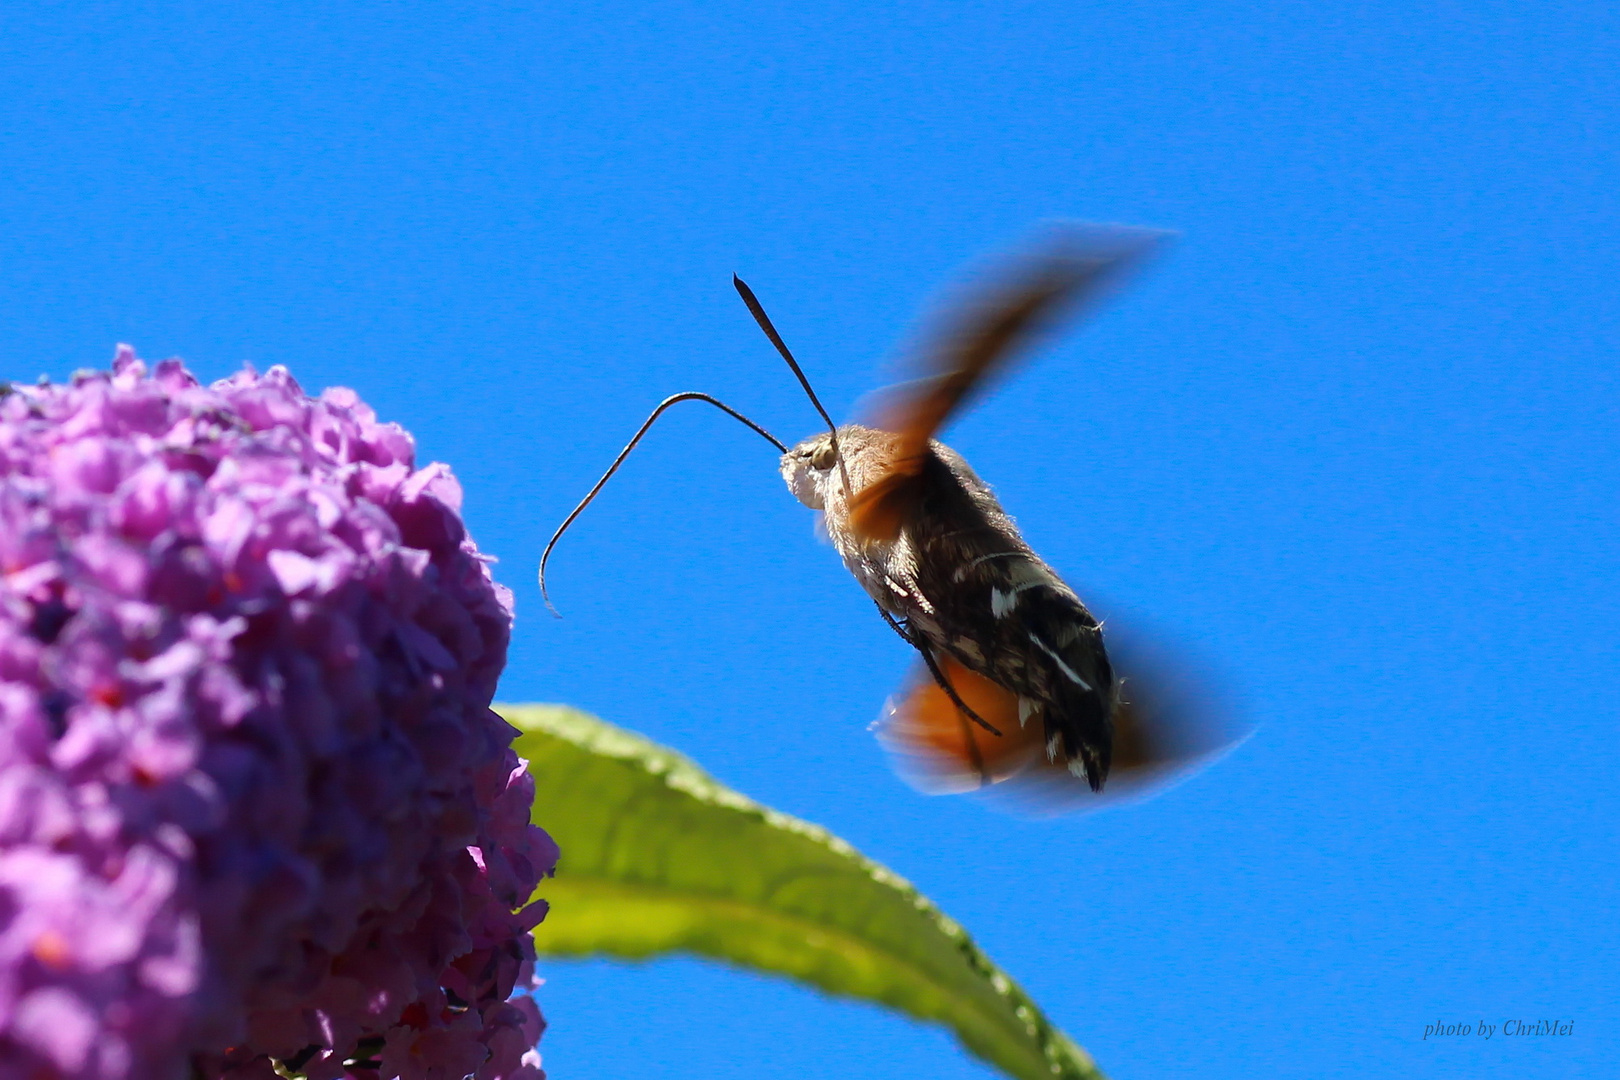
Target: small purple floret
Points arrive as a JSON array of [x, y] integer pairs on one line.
[[253, 802]]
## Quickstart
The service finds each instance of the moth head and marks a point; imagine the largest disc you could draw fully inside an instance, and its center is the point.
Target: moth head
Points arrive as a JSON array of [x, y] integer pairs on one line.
[[812, 471], [807, 468]]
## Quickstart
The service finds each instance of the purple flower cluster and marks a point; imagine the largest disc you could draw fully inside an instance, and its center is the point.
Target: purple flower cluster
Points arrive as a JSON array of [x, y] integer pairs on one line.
[[254, 806]]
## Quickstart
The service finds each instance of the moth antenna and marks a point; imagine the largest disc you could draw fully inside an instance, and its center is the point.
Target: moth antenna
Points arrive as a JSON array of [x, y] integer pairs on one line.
[[689, 395], [757, 309]]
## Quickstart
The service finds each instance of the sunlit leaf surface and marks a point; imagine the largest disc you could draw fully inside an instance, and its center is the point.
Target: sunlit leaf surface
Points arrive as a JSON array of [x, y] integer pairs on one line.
[[657, 857]]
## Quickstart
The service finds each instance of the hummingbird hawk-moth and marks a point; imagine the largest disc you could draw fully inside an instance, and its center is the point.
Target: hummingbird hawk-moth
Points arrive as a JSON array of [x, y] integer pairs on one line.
[[1016, 679]]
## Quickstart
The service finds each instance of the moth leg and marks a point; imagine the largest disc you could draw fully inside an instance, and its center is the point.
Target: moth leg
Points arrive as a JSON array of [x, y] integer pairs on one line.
[[939, 677], [899, 628]]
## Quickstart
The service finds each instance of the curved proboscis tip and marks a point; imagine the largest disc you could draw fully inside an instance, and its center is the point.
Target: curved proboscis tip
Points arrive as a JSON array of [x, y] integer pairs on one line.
[[687, 395]]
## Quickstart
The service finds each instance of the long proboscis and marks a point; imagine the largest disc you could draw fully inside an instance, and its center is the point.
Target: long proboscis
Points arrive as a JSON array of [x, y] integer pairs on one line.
[[689, 395], [757, 310]]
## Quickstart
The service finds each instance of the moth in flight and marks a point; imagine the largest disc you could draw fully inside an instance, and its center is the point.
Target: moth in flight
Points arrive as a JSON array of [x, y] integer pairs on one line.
[[1015, 679]]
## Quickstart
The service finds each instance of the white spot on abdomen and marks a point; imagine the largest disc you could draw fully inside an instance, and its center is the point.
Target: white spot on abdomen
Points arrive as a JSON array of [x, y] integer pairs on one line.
[[1068, 671], [1003, 602]]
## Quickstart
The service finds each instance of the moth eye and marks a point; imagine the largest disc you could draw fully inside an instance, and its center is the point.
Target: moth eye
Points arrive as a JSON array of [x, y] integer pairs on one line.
[[823, 458]]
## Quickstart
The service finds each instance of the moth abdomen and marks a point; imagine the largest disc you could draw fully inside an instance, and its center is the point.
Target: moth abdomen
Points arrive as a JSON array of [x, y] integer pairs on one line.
[[999, 610]]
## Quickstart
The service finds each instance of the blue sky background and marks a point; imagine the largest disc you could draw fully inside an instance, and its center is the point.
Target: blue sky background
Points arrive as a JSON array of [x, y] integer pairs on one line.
[[1352, 442]]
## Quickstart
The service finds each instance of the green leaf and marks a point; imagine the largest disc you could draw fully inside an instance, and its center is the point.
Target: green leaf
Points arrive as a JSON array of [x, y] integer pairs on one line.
[[658, 857]]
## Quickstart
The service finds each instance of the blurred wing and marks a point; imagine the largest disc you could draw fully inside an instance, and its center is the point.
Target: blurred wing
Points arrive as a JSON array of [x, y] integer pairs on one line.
[[940, 751], [1173, 721], [1170, 725], [988, 335]]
